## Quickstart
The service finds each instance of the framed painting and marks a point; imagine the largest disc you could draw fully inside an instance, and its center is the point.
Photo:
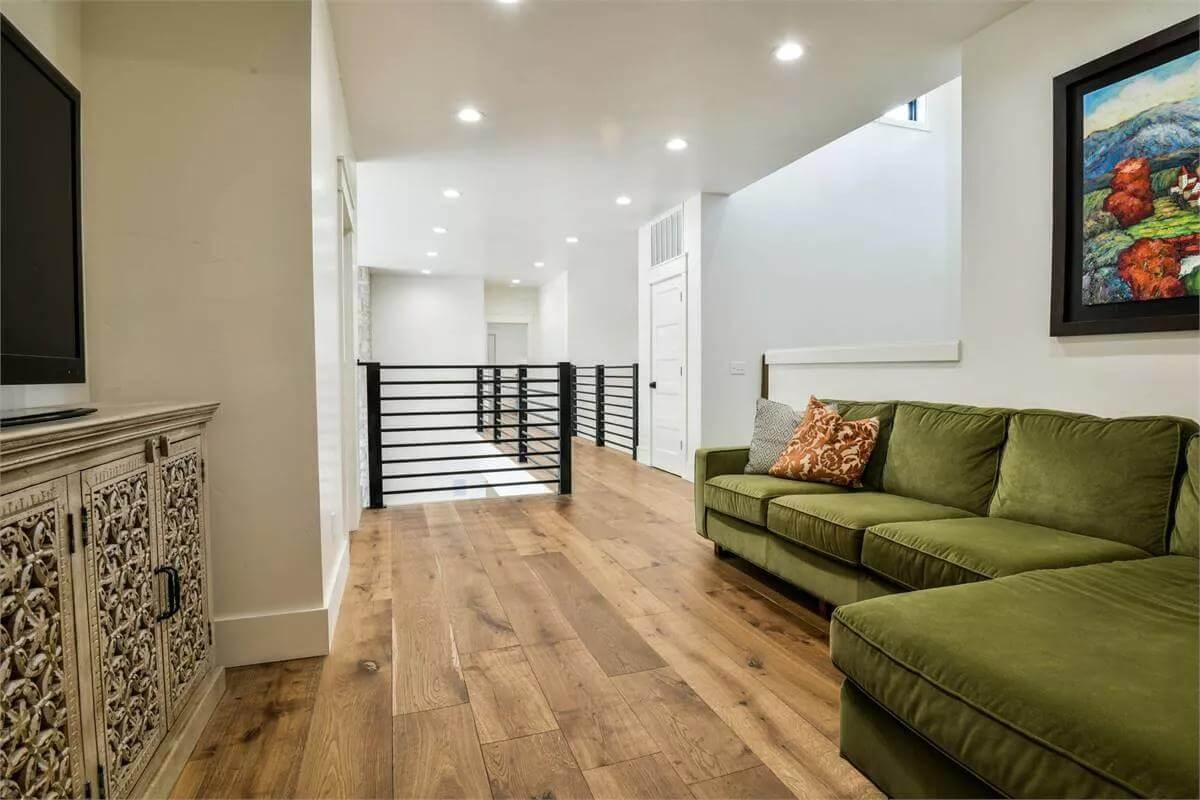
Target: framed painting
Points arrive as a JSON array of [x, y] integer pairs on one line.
[[1126, 189]]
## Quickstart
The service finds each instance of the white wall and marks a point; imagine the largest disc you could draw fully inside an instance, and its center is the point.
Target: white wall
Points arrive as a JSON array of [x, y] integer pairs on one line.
[[56, 30], [199, 250], [855, 243], [551, 340], [507, 304], [601, 312], [333, 308], [427, 320], [1008, 357]]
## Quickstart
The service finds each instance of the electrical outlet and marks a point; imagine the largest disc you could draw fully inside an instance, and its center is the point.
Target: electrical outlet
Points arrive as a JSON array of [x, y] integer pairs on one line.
[[737, 367]]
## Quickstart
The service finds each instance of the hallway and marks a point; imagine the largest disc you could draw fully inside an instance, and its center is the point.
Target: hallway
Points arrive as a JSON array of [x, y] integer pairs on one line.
[[543, 647]]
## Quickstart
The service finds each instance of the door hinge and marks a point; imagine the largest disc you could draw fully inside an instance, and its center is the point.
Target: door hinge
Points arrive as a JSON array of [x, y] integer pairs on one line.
[[101, 789], [87, 790], [210, 633], [70, 533], [203, 471], [83, 527]]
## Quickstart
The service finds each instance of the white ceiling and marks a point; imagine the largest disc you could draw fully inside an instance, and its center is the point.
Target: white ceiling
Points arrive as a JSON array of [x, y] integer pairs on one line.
[[580, 98]]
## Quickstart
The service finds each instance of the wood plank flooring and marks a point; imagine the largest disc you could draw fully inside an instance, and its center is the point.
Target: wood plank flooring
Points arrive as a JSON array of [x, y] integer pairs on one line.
[[543, 647]]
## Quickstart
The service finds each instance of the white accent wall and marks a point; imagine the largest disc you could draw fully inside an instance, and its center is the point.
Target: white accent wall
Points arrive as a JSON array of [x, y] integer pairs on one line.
[[427, 320], [601, 308], [56, 30], [198, 219], [1008, 356], [856, 243]]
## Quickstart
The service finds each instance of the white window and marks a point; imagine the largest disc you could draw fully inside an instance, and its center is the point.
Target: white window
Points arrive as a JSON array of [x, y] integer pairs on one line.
[[909, 115]]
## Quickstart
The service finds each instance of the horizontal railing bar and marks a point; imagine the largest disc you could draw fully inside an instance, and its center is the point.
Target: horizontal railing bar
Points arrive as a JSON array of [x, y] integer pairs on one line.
[[618, 416], [485, 367], [472, 382], [505, 456], [474, 441], [476, 427], [618, 425], [469, 486], [622, 436], [448, 412], [471, 472]]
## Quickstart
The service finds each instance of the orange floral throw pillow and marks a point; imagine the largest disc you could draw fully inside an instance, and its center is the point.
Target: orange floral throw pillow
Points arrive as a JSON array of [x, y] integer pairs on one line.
[[828, 449]]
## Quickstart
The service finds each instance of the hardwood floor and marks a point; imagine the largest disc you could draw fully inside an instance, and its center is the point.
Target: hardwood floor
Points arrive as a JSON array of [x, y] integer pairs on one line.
[[543, 647]]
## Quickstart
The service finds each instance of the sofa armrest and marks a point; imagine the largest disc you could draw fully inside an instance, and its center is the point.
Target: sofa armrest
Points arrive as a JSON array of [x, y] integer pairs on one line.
[[711, 462]]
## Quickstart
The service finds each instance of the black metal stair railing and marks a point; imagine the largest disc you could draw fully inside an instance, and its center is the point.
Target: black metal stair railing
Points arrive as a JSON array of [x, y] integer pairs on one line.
[[524, 410], [606, 402]]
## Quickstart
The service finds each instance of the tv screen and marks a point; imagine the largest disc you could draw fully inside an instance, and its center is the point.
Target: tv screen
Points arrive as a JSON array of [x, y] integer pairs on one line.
[[41, 278]]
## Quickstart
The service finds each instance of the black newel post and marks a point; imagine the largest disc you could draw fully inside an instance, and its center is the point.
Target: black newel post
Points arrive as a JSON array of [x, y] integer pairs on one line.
[[566, 416], [374, 436], [599, 405], [635, 411], [574, 393], [479, 399], [496, 403], [522, 415]]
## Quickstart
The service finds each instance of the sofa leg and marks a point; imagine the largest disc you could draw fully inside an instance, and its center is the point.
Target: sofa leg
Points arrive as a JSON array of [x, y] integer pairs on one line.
[[825, 608], [718, 551]]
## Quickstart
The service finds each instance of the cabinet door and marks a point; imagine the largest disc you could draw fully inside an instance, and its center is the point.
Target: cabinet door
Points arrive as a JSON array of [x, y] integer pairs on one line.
[[183, 545], [41, 749], [118, 501]]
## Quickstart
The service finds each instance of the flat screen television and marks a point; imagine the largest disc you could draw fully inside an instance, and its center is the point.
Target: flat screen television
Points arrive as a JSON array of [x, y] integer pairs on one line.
[[41, 259]]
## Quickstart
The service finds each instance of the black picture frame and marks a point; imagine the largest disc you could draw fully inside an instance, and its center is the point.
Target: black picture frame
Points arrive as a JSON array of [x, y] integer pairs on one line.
[[1068, 315], [23, 369]]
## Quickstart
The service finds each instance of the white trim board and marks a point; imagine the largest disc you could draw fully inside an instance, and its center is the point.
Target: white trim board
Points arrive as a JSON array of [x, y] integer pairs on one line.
[[908, 352]]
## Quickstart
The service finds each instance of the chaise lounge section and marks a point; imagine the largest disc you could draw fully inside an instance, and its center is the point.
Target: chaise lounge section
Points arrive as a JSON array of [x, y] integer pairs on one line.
[[1030, 590]]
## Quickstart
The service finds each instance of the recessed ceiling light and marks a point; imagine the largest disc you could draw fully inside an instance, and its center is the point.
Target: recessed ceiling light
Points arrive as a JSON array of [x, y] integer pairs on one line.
[[677, 144], [539, 264], [438, 229], [469, 114], [431, 253], [788, 51], [452, 194], [426, 272], [624, 200], [572, 240], [516, 281], [508, 2]]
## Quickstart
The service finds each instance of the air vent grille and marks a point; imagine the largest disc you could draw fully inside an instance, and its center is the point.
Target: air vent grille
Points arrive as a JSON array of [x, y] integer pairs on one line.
[[666, 237]]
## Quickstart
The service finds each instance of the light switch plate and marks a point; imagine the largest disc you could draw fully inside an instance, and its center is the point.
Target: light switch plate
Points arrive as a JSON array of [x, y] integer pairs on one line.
[[737, 367]]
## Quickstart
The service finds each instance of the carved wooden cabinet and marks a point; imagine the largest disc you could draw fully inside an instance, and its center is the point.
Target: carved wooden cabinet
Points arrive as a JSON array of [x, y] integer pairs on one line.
[[107, 672]]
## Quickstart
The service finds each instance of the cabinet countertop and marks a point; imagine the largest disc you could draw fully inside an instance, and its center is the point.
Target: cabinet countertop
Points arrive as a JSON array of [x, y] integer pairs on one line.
[[113, 423]]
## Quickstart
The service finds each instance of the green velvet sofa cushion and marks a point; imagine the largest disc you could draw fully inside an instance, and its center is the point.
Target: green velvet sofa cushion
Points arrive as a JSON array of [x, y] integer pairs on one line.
[[833, 524], [945, 454], [1109, 478], [814, 573], [922, 555], [1079, 682], [851, 410], [1185, 537], [746, 496], [712, 461]]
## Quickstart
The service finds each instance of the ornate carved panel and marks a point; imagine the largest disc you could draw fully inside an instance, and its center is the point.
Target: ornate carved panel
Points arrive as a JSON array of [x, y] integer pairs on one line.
[[41, 751], [181, 528], [131, 712]]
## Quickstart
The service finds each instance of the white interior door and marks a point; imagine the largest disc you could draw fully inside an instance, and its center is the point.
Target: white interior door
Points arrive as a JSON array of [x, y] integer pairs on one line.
[[668, 374]]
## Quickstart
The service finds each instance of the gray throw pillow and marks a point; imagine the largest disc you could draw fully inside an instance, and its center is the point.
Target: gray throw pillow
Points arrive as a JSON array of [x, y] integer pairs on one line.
[[774, 424]]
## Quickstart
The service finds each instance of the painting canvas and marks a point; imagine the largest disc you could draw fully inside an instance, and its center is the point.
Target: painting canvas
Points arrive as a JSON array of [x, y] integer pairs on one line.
[[1126, 255], [1141, 202]]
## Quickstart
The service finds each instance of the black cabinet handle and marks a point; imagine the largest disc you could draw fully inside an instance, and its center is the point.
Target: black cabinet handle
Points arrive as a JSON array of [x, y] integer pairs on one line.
[[653, 384], [174, 594]]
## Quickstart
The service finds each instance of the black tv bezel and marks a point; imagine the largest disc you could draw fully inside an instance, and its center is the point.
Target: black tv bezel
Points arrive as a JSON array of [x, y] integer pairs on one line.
[[19, 369]]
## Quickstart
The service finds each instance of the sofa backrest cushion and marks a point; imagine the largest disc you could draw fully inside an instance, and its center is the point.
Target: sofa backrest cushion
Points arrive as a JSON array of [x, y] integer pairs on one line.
[[948, 455], [872, 478], [1110, 478], [1185, 536]]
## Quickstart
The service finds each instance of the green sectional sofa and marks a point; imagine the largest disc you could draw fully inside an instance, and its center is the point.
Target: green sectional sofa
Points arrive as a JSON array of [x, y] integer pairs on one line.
[[1030, 590]]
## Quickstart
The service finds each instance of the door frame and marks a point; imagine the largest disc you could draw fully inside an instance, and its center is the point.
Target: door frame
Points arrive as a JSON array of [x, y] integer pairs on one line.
[[349, 489], [665, 271]]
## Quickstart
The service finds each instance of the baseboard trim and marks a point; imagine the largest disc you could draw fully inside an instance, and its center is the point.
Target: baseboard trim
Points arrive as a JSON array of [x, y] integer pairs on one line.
[[259, 638], [333, 600]]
